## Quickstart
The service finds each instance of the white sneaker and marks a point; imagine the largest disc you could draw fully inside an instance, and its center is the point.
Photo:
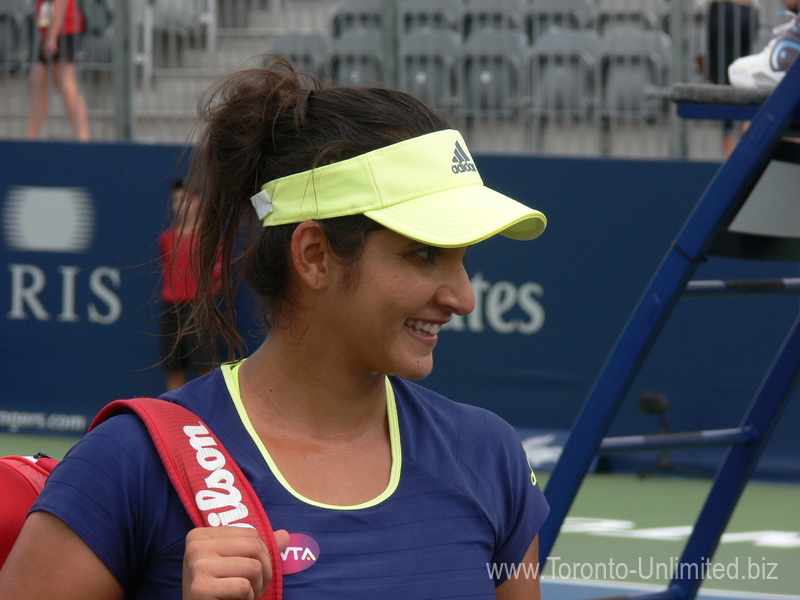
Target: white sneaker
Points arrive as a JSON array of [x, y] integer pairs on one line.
[[765, 70]]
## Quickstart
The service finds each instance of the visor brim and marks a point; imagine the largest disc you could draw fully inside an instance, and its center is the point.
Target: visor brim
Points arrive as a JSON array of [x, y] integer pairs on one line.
[[461, 217]]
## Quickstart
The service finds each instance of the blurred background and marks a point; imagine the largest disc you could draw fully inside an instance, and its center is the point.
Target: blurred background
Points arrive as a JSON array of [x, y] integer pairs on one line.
[[565, 104], [571, 77]]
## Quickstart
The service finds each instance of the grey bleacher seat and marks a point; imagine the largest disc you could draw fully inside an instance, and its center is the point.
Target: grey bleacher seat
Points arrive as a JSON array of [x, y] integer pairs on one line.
[[490, 73], [427, 66], [358, 57], [357, 14], [307, 51], [16, 43], [431, 14], [97, 53], [561, 72], [646, 14], [541, 15], [495, 14], [98, 16], [177, 16], [10, 41], [168, 28], [633, 70]]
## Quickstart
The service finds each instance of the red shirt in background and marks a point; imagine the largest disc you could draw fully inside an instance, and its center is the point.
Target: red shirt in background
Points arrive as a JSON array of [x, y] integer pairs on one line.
[[73, 17], [179, 285]]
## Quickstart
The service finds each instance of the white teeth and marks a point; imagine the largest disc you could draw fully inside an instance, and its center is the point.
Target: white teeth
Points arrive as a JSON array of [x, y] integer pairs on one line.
[[431, 328]]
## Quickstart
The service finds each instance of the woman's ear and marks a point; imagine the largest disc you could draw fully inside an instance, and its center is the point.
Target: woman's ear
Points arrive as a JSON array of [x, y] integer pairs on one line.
[[311, 255]]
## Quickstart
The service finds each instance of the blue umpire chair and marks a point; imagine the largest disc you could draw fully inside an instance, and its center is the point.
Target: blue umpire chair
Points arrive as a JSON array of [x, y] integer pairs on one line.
[[707, 229]]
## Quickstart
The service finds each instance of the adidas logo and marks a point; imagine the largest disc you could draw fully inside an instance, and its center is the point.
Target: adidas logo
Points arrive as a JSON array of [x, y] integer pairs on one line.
[[462, 161]]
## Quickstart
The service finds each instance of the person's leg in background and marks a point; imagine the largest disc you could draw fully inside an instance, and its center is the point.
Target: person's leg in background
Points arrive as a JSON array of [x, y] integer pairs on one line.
[[202, 352], [65, 75], [74, 100], [173, 349], [38, 98], [732, 27], [175, 379], [728, 138]]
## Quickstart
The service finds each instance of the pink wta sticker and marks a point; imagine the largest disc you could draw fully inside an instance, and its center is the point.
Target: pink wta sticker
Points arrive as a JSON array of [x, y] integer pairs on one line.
[[301, 553]]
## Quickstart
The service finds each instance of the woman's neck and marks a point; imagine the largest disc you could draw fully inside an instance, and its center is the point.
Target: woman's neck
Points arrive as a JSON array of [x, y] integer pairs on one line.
[[293, 388], [327, 435]]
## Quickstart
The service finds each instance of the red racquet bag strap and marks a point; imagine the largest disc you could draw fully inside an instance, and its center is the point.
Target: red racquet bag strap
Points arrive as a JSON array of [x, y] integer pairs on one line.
[[210, 484]]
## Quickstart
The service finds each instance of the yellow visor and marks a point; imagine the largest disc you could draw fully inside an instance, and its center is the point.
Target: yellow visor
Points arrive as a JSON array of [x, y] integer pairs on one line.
[[426, 188]]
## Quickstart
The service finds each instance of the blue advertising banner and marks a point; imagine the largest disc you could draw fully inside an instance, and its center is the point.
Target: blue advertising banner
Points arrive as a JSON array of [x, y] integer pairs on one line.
[[79, 279], [549, 312], [79, 286]]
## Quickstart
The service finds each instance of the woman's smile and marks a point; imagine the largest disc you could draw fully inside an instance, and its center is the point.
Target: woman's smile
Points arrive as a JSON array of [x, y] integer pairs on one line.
[[424, 328]]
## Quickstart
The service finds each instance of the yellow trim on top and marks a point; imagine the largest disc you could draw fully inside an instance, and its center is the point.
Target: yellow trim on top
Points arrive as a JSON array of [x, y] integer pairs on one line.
[[230, 372]]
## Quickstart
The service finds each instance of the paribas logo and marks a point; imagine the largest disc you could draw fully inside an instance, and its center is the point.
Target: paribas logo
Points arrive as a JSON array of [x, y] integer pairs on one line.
[[56, 220], [48, 219]]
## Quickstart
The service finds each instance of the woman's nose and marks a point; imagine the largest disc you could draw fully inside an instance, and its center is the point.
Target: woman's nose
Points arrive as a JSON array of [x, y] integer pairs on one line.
[[456, 291]]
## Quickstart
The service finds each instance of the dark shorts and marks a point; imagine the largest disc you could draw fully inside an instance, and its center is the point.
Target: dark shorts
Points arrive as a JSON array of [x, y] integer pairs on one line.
[[732, 28], [68, 46], [194, 351]]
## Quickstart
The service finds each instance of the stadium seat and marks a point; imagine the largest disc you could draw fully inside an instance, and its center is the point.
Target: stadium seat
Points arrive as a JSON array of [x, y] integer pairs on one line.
[[307, 51], [494, 14], [10, 40], [490, 73], [15, 28], [358, 57], [430, 14], [541, 15], [633, 69], [645, 14], [357, 14], [98, 52], [561, 71], [181, 17], [426, 66], [166, 28]]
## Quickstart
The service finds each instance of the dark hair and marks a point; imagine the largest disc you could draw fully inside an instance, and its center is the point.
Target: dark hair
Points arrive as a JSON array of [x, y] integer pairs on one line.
[[260, 124], [176, 184]]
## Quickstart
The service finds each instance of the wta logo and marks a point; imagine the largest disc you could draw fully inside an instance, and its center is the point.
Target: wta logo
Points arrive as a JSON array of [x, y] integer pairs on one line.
[[462, 161], [221, 501], [300, 554], [221, 496]]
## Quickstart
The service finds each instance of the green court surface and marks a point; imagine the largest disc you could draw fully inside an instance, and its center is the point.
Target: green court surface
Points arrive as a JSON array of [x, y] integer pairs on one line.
[[626, 531], [625, 534], [28, 445]]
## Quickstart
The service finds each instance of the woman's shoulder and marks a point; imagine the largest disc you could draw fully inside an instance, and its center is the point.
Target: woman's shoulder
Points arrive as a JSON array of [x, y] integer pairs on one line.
[[444, 413], [206, 396], [123, 434], [454, 437], [120, 451]]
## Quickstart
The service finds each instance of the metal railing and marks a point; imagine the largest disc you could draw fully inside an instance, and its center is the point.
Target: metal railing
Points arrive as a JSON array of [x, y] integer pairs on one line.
[[141, 78]]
